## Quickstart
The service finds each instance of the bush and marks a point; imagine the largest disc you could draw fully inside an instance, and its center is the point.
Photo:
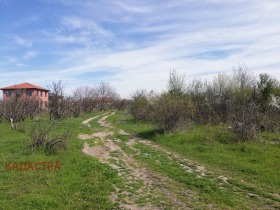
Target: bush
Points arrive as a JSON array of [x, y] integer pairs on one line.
[[245, 116], [171, 110], [271, 117], [140, 106], [40, 138]]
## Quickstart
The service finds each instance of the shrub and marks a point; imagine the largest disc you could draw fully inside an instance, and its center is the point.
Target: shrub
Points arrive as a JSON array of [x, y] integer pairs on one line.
[[170, 110], [40, 138], [140, 106]]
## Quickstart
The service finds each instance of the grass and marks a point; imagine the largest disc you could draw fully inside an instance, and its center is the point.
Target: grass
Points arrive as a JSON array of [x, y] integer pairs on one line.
[[251, 166], [82, 183], [207, 188], [85, 183]]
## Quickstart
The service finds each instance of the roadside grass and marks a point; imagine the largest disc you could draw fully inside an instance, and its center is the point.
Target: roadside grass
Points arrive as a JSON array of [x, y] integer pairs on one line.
[[85, 183], [252, 166], [81, 183], [208, 189]]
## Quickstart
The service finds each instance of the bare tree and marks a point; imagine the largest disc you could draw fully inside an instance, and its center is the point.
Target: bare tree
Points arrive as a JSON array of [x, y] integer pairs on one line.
[[83, 92], [84, 99], [243, 78], [104, 95], [218, 92], [242, 106], [1, 110], [18, 107], [176, 83], [197, 93], [59, 105]]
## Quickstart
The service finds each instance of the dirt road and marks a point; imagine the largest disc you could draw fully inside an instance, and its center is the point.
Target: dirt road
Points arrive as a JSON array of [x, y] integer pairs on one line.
[[145, 188]]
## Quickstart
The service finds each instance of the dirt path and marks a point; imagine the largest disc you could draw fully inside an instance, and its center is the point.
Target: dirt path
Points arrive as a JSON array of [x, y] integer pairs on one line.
[[144, 188], [86, 122]]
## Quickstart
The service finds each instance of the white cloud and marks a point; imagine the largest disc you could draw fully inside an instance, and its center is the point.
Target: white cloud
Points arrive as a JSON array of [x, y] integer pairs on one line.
[[126, 7], [80, 23], [139, 42], [30, 54], [20, 41]]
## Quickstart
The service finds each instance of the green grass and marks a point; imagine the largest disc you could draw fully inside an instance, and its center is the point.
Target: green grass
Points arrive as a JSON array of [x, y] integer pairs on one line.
[[251, 166], [82, 183], [207, 188], [85, 183]]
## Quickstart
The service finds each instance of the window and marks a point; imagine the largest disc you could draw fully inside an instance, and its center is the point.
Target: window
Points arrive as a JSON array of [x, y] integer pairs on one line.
[[19, 93], [37, 93], [45, 94], [41, 93], [8, 93], [29, 92]]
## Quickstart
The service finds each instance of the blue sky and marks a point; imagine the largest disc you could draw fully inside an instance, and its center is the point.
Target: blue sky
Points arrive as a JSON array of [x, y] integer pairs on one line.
[[134, 44]]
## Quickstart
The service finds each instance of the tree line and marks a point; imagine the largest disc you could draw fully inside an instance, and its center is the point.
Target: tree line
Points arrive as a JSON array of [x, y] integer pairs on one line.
[[82, 100], [249, 104], [246, 102]]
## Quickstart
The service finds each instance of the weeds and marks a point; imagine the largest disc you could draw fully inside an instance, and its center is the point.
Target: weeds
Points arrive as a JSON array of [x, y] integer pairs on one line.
[[40, 136]]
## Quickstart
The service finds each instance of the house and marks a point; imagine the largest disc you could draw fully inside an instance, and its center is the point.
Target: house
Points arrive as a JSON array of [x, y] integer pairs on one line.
[[26, 90]]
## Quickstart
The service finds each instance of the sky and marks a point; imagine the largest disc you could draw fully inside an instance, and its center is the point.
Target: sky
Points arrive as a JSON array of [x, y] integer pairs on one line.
[[134, 44]]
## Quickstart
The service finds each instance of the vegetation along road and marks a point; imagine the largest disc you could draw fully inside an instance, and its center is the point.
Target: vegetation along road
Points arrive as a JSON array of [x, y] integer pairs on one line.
[[115, 162], [154, 176]]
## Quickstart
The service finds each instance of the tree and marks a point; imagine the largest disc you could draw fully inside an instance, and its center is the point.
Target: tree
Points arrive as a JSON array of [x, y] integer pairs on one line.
[[59, 105], [266, 86], [171, 110], [1, 110], [83, 100], [174, 107], [18, 107], [242, 105], [140, 107], [243, 78], [104, 95], [197, 93], [176, 83]]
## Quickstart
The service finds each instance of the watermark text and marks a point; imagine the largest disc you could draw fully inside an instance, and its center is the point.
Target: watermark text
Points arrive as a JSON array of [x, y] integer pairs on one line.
[[29, 166]]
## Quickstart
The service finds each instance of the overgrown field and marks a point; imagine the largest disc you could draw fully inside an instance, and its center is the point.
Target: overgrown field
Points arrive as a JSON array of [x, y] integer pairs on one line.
[[81, 183], [129, 165], [251, 170]]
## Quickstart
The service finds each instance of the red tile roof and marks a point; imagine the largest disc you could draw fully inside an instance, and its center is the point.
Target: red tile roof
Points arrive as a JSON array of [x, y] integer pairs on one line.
[[25, 85]]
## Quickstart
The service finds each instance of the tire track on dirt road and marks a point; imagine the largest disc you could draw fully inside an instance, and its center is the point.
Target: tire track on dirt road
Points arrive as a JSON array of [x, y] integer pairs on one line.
[[270, 200], [143, 188]]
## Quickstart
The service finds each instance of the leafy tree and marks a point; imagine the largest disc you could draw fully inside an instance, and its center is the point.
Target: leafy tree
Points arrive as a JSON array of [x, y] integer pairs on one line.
[[266, 86]]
